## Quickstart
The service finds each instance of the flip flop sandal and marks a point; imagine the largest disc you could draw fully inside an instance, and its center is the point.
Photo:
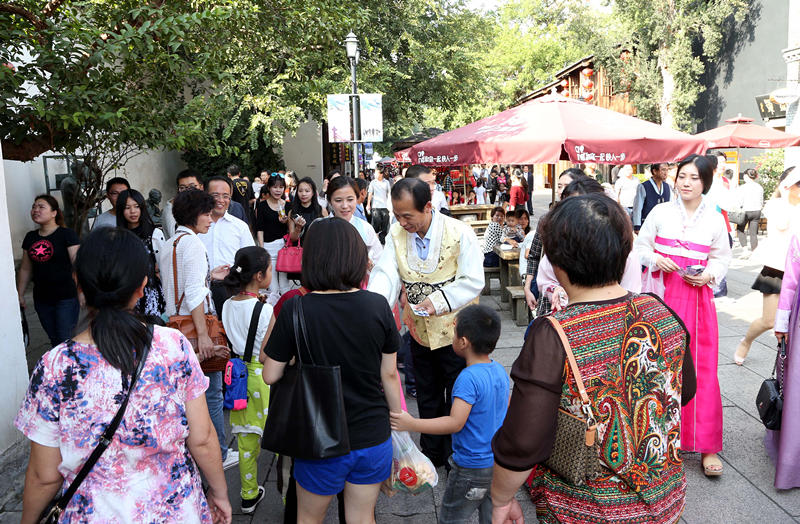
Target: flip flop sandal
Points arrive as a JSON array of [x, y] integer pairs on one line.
[[709, 466]]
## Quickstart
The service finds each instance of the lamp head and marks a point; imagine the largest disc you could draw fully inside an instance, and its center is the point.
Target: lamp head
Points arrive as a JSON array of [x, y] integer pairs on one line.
[[351, 45]]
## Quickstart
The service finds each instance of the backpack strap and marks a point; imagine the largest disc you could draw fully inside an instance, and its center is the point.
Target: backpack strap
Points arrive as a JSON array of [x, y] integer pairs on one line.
[[251, 333]]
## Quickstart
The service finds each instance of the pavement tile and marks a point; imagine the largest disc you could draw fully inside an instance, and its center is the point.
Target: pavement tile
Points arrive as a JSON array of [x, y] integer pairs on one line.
[[740, 385], [743, 448], [730, 498], [10, 517]]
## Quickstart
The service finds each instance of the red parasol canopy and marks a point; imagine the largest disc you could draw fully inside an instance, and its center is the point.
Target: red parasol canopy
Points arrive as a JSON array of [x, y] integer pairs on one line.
[[741, 132], [402, 156], [554, 128]]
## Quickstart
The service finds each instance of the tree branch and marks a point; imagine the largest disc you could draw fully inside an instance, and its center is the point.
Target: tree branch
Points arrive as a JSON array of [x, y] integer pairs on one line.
[[51, 7], [24, 13]]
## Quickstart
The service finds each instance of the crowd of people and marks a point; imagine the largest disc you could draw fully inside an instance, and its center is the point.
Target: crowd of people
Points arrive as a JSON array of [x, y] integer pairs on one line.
[[621, 282]]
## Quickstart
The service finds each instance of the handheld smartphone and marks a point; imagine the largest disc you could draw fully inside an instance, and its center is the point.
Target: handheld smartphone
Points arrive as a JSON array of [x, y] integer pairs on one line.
[[693, 271]]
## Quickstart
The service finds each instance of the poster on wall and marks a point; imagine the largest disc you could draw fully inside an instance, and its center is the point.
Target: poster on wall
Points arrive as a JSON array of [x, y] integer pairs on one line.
[[339, 118], [371, 105]]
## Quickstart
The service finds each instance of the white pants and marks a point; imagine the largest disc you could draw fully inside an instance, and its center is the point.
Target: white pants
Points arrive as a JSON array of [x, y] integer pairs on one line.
[[280, 283]]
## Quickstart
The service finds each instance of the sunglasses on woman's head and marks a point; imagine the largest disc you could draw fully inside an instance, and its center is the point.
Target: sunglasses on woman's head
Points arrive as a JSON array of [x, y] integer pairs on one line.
[[277, 174]]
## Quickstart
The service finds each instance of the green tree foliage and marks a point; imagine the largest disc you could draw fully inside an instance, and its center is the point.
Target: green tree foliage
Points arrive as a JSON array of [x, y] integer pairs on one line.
[[770, 167], [284, 60], [104, 79], [669, 41], [530, 41]]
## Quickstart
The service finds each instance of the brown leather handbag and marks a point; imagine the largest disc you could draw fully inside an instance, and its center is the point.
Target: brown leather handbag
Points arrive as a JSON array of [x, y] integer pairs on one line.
[[185, 324], [575, 456]]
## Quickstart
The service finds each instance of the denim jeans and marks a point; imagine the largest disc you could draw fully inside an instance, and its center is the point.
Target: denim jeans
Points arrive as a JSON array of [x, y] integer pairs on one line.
[[58, 318], [404, 355], [467, 490], [214, 401]]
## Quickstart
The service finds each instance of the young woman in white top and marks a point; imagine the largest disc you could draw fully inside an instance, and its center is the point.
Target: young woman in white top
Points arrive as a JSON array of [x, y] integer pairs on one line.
[[783, 220], [343, 197], [250, 272], [132, 214]]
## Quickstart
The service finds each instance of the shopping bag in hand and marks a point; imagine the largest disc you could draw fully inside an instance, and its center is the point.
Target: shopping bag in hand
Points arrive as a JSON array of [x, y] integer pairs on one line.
[[412, 472]]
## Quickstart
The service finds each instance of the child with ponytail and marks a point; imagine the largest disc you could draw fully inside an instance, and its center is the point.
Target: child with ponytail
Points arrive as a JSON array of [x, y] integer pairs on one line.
[[250, 273]]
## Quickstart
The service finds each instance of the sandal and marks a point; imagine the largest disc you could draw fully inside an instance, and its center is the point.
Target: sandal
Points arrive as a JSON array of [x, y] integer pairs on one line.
[[712, 465], [736, 358]]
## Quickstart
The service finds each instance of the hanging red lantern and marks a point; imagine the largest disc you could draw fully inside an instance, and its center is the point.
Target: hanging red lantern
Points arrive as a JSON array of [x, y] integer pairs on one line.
[[587, 71], [588, 97], [564, 83], [588, 84], [565, 93]]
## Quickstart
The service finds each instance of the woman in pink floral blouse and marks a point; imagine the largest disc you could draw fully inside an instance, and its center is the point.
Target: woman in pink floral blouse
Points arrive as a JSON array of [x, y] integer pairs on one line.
[[149, 473]]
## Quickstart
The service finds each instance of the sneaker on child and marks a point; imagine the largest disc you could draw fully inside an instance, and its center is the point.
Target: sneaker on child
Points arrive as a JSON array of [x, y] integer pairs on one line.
[[249, 505]]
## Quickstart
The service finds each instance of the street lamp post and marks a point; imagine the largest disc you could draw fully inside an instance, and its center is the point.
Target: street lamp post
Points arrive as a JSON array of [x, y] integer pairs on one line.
[[351, 46]]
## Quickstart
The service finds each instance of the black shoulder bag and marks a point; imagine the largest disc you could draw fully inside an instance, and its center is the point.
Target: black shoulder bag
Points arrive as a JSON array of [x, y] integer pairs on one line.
[[52, 513], [769, 400], [306, 418]]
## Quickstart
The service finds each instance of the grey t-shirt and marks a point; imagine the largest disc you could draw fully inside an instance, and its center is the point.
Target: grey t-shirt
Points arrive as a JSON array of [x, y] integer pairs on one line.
[[105, 220]]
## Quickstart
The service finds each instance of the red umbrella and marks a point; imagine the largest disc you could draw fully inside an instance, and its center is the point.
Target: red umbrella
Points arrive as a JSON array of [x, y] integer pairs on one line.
[[553, 128], [402, 156], [742, 133]]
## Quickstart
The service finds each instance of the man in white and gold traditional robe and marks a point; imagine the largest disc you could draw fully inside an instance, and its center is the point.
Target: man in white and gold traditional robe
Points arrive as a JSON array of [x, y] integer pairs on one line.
[[437, 261]]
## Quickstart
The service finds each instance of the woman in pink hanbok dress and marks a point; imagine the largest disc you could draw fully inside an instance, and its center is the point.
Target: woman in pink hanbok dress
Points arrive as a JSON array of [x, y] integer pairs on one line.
[[783, 446], [683, 244]]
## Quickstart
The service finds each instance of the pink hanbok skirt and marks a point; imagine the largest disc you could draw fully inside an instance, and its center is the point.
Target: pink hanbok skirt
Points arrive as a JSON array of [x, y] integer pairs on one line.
[[701, 419]]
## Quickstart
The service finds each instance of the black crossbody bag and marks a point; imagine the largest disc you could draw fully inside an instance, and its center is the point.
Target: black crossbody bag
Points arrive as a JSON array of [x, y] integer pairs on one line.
[[52, 513], [769, 400]]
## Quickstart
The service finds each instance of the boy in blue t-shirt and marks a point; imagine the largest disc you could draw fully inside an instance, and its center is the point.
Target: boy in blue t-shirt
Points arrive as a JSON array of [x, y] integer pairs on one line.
[[480, 400]]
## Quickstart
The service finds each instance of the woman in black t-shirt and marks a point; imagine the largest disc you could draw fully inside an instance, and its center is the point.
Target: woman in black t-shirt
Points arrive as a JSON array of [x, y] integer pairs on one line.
[[304, 209], [334, 265], [47, 256], [271, 227]]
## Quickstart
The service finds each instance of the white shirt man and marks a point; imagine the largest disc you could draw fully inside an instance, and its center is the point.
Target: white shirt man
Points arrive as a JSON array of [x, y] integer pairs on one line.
[[625, 188], [227, 233], [378, 193]]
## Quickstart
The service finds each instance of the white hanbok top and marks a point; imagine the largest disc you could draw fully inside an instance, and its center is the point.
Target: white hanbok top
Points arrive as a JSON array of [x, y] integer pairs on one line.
[[669, 230], [631, 278], [468, 283]]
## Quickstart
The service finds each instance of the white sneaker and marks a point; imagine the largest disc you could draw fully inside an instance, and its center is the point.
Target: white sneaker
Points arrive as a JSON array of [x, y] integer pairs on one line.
[[231, 460]]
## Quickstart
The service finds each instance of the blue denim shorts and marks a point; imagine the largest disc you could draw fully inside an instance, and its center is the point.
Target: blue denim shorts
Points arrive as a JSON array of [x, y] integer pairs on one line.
[[370, 465]]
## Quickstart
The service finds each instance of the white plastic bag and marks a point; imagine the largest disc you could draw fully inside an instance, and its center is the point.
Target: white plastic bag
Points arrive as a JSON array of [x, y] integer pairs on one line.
[[412, 472]]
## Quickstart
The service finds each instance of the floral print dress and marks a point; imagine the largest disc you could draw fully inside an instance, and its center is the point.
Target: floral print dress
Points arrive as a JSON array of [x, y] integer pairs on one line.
[[147, 473]]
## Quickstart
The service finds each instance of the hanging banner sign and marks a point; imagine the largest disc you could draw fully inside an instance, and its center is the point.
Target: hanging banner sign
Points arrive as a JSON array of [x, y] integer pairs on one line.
[[371, 106], [339, 118]]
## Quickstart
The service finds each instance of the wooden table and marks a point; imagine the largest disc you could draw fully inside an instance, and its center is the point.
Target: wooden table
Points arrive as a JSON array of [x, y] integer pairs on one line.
[[480, 212], [507, 276]]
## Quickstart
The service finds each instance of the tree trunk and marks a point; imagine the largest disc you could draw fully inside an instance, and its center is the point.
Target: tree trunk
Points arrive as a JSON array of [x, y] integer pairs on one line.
[[668, 82]]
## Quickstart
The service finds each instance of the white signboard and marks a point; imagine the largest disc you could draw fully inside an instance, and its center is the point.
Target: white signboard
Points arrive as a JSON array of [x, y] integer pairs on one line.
[[371, 117], [339, 118]]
